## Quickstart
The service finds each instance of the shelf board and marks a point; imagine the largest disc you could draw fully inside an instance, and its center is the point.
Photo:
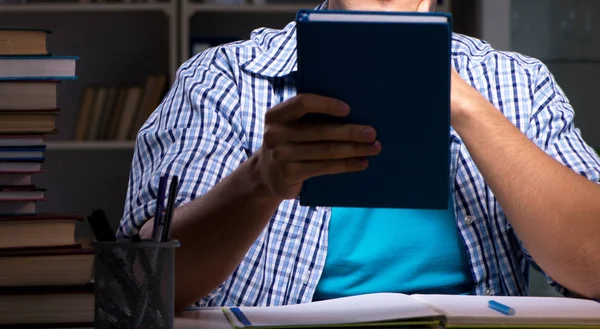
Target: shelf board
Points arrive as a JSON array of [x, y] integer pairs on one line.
[[268, 8], [84, 7], [89, 146], [571, 60]]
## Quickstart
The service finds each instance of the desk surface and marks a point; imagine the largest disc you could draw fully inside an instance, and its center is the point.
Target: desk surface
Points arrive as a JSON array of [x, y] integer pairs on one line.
[[208, 318]]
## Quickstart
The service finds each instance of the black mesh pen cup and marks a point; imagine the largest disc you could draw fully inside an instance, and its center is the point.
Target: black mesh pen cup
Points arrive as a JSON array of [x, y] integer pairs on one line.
[[134, 284]]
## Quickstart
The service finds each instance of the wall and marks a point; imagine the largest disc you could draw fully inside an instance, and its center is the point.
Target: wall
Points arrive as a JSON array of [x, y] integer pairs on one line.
[[559, 33]]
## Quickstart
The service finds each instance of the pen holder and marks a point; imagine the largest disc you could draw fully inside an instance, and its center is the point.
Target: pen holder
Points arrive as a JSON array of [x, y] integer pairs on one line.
[[134, 284]]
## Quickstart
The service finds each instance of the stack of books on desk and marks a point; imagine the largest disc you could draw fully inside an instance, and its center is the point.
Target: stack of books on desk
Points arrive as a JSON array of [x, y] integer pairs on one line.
[[44, 274], [29, 76]]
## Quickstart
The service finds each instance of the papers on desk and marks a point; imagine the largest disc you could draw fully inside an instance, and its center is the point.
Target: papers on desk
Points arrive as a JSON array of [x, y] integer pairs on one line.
[[398, 310]]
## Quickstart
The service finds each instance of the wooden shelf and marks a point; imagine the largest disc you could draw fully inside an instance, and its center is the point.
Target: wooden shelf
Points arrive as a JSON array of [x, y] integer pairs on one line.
[[268, 8], [571, 60], [85, 7], [90, 146]]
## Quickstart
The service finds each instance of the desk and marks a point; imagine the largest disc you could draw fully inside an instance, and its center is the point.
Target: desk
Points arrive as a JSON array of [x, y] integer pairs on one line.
[[207, 318]]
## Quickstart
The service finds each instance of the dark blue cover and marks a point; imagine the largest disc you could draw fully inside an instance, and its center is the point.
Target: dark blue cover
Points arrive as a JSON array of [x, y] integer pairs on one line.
[[396, 78]]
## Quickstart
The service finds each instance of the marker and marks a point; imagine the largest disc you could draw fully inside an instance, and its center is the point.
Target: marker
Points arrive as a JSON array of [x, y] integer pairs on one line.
[[100, 226], [506, 310]]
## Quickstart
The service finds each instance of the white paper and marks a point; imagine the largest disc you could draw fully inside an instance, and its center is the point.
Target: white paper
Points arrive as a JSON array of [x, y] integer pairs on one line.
[[355, 309], [528, 310]]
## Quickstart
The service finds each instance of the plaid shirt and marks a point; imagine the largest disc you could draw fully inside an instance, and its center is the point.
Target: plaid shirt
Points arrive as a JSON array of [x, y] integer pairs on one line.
[[212, 120]]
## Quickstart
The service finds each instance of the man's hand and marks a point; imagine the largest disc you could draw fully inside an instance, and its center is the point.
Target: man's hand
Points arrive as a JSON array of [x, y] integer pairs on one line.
[[553, 209], [294, 151]]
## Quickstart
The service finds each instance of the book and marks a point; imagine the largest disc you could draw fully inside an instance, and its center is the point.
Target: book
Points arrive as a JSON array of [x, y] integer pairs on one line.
[[393, 70], [28, 95], [16, 179], [51, 266], [21, 193], [10, 167], [394, 310], [154, 90], [40, 230], [130, 109], [85, 112], [17, 208], [30, 122], [47, 307], [38, 67], [23, 41], [23, 153], [21, 140]]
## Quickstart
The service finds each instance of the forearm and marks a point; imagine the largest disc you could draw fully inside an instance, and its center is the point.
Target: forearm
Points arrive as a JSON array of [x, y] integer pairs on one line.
[[554, 211], [215, 232]]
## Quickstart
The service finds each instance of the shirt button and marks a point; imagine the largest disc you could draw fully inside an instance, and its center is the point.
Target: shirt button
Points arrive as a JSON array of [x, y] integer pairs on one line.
[[469, 220], [488, 292]]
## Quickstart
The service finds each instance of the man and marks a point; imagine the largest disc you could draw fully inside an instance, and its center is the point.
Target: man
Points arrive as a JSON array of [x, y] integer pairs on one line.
[[524, 183]]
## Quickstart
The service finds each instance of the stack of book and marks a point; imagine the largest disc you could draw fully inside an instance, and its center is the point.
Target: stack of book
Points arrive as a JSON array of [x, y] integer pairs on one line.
[[45, 276], [29, 76]]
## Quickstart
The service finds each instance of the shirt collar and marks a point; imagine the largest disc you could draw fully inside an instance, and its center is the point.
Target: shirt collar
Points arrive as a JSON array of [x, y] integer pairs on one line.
[[280, 59]]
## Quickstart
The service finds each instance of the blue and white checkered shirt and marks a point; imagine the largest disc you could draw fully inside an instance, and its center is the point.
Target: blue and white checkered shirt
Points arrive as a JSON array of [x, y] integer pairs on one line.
[[212, 120]]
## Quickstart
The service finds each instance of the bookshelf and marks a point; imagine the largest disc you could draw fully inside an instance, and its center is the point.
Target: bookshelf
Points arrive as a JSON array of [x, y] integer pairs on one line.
[[90, 146], [262, 8], [201, 20], [167, 8]]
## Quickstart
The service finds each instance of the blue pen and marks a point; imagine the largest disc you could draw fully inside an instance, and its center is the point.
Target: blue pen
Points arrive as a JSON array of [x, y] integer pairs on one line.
[[160, 206], [506, 310]]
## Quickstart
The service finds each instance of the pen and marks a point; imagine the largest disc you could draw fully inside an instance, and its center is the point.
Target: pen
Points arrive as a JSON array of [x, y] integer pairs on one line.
[[506, 310], [170, 207], [160, 204]]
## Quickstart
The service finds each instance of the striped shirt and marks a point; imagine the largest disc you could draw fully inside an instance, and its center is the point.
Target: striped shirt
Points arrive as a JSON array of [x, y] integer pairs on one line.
[[212, 120]]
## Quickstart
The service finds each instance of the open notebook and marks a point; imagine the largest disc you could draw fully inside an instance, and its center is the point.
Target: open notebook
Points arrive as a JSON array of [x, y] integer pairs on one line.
[[392, 310]]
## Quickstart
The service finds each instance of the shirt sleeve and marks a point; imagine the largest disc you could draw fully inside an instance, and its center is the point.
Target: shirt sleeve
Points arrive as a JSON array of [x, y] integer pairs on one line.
[[552, 128], [194, 134]]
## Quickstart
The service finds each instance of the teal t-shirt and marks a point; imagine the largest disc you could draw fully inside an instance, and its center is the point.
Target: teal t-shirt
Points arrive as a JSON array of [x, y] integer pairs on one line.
[[394, 250]]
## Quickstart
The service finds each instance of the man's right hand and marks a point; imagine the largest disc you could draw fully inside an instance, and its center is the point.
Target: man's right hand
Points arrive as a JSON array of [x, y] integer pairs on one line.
[[294, 151]]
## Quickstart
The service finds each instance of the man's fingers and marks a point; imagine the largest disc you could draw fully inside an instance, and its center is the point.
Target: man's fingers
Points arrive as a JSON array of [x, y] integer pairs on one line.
[[324, 151], [299, 105], [314, 132], [300, 171]]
